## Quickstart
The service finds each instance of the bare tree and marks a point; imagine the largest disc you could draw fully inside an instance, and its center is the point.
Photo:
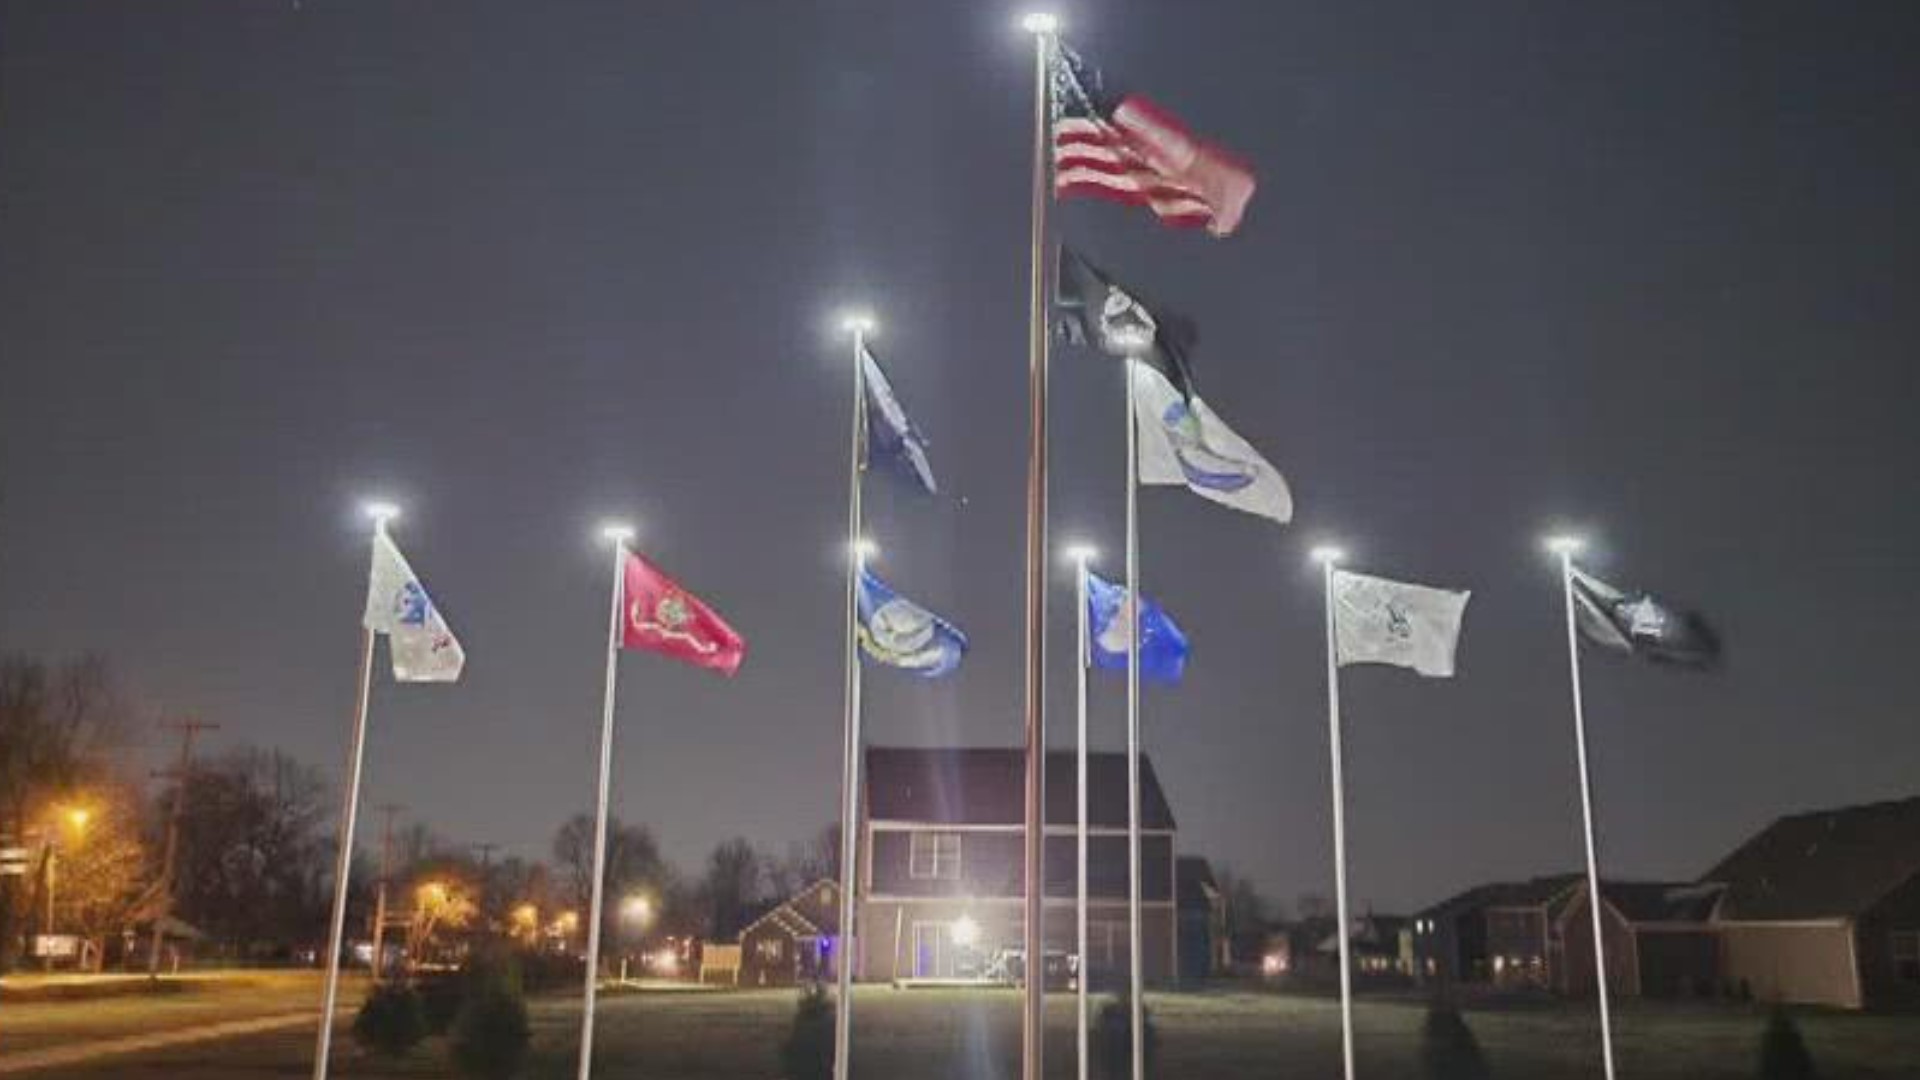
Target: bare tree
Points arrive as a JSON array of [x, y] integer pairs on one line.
[[731, 887]]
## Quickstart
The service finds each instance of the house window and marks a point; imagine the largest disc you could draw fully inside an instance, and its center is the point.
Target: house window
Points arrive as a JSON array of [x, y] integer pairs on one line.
[[1906, 954], [934, 856]]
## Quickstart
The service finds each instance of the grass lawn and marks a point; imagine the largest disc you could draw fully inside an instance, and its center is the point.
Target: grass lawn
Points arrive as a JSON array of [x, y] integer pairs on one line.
[[954, 1034]]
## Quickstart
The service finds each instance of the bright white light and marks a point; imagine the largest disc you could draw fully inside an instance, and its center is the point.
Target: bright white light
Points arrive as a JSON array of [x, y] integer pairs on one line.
[[1565, 544], [1081, 554], [965, 931], [616, 532], [1039, 22], [380, 512], [865, 548], [859, 321], [1327, 553]]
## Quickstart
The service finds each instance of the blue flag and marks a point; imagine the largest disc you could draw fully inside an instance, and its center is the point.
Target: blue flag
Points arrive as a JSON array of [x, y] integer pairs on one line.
[[900, 633], [890, 435], [1163, 648]]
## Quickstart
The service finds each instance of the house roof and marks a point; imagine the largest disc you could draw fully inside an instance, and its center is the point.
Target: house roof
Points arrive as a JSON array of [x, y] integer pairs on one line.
[[985, 786], [788, 916], [1822, 865], [1636, 901]]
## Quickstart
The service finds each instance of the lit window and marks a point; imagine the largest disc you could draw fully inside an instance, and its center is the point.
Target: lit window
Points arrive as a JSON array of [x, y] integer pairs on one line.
[[934, 856]]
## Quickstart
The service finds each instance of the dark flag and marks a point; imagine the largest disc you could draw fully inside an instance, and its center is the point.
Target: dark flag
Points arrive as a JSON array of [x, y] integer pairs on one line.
[[891, 436], [1096, 312], [1127, 149], [1636, 623]]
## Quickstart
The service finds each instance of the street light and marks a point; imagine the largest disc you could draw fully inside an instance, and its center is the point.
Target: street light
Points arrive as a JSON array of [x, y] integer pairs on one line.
[[1080, 554], [617, 532], [380, 511], [637, 908], [78, 817], [1040, 22], [1327, 554], [1565, 544], [858, 321]]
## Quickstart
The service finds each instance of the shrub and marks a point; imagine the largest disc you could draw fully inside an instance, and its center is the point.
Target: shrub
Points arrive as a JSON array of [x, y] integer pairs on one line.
[[391, 1021], [1448, 1049], [1112, 1038], [1783, 1053], [807, 1053], [440, 997], [490, 1035]]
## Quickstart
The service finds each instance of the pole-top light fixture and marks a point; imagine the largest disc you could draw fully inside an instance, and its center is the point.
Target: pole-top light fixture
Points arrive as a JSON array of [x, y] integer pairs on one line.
[[858, 321], [1040, 22], [380, 511], [1327, 554], [866, 548], [1082, 554], [616, 532], [1565, 544]]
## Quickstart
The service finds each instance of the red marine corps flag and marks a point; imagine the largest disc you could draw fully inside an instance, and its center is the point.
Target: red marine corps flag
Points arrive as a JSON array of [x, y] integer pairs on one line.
[[1125, 148], [660, 616]]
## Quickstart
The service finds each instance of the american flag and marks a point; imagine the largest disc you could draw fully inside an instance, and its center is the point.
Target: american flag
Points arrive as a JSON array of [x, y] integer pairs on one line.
[[1132, 151]]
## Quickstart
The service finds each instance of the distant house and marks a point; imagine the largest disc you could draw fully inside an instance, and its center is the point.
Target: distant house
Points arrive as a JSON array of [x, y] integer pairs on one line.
[[1824, 908], [1380, 948], [1538, 934], [942, 868], [794, 942], [1204, 948]]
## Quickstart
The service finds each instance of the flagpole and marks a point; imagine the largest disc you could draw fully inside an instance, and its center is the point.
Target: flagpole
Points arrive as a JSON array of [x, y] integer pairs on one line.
[[850, 730], [619, 535], [1080, 557], [1565, 547], [1135, 958], [349, 815], [1033, 1015], [1327, 557]]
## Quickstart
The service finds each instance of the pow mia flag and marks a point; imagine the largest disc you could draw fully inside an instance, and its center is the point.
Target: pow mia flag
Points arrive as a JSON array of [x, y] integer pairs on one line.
[[1098, 313], [1638, 624], [1380, 621]]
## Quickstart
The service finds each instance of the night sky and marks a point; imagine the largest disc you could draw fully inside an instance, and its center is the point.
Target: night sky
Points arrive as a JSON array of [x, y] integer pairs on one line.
[[1650, 269]]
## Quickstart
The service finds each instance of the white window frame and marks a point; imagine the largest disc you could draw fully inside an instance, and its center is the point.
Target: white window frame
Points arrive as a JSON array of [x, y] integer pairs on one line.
[[933, 856]]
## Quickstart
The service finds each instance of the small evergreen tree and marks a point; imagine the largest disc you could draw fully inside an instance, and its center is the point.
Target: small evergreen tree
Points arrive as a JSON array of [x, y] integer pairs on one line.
[[390, 1022], [807, 1053], [1448, 1048], [1783, 1053], [1112, 1038], [490, 1035]]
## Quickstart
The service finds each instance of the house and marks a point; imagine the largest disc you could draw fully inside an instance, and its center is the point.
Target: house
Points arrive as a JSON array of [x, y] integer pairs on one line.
[[1204, 945], [942, 867], [1537, 935], [1379, 947], [1824, 908], [794, 941]]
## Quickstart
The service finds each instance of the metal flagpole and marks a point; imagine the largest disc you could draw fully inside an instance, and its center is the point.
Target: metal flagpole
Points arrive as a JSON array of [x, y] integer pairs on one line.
[[343, 858], [1033, 1014], [1080, 834], [1327, 560], [850, 733], [1135, 959], [1565, 548], [619, 537]]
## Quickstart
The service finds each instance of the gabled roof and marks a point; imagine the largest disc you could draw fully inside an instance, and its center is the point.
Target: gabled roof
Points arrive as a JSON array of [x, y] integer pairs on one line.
[[1828, 864], [985, 786], [789, 914], [1538, 892], [1645, 901]]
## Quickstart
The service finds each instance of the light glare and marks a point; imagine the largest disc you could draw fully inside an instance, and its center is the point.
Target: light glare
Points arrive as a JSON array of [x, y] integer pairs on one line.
[[617, 532], [1081, 554], [380, 511], [1327, 554], [858, 321], [1039, 22], [1565, 544]]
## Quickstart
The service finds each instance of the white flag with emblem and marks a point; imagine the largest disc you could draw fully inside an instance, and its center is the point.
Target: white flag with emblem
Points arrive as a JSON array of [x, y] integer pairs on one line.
[[1184, 442], [1378, 621], [422, 647]]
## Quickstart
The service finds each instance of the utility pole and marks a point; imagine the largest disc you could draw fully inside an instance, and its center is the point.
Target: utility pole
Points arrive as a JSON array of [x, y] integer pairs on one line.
[[387, 810], [189, 729]]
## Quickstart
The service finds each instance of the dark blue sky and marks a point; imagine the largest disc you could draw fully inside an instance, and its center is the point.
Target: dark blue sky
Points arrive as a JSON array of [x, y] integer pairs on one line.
[[1645, 267]]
